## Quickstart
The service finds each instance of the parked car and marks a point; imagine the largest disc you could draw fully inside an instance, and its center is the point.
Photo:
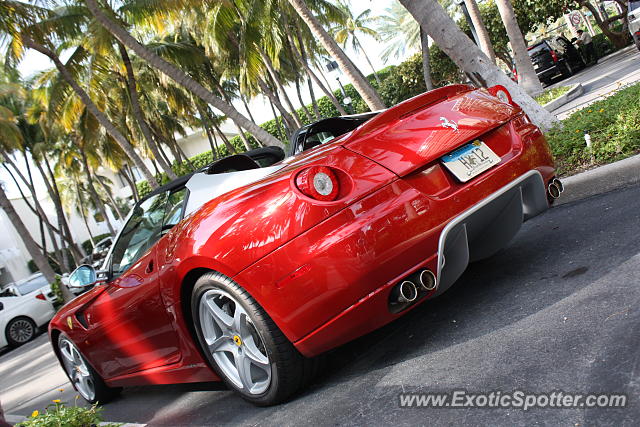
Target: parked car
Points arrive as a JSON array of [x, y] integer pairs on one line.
[[35, 282], [555, 57], [97, 256], [244, 274], [633, 15], [22, 316]]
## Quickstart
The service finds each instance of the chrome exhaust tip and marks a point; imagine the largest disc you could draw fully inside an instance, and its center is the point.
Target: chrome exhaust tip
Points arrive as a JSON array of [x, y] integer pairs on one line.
[[558, 184], [407, 292], [427, 280], [553, 190]]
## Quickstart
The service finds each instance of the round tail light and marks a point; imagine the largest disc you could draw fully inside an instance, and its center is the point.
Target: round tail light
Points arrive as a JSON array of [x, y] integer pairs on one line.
[[319, 183]]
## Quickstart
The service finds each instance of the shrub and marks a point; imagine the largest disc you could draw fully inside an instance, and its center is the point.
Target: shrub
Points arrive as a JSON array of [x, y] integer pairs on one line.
[[613, 124], [55, 288], [59, 414]]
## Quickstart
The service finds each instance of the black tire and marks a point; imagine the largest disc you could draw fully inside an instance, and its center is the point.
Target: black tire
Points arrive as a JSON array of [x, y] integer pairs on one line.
[[102, 393], [20, 331], [567, 70], [290, 370]]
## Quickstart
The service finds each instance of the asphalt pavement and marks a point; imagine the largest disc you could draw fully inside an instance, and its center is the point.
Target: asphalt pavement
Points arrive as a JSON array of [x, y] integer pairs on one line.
[[556, 310]]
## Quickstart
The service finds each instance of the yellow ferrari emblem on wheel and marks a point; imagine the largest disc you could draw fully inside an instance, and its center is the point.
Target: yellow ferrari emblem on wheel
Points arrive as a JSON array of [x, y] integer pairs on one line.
[[237, 340]]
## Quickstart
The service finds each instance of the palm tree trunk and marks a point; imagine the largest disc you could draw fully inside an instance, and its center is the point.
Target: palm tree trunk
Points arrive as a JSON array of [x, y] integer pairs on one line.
[[481, 29], [527, 76], [426, 59], [50, 182], [246, 107], [283, 93], [273, 97], [132, 185], [469, 58], [230, 147], [307, 113], [94, 194], [95, 111], [176, 74], [282, 129], [38, 257], [314, 101], [37, 207], [139, 115], [364, 52], [112, 201], [368, 93], [80, 208], [301, 58]]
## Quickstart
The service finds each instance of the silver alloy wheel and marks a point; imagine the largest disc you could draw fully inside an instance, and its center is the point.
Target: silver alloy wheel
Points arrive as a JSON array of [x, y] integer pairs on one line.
[[21, 331], [234, 342], [77, 369]]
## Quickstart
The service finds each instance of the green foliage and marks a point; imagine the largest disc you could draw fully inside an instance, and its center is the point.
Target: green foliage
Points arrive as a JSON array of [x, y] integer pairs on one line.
[[58, 414], [551, 94], [55, 288], [613, 124]]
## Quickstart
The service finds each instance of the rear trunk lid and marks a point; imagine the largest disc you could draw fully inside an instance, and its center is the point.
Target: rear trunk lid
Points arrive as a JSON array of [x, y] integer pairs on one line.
[[425, 128]]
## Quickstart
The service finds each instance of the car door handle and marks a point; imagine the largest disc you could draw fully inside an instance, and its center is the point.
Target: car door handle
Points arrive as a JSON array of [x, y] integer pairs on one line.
[[149, 267]]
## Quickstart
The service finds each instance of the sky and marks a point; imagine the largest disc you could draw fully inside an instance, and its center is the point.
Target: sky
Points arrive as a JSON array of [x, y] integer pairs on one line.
[[34, 62]]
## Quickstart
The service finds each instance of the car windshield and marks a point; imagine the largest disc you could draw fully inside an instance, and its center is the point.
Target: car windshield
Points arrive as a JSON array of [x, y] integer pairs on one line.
[[326, 130], [633, 5], [31, 285]]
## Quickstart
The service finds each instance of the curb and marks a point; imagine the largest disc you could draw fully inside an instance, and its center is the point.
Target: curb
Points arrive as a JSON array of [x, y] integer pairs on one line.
[[575, 91], [601, 180]]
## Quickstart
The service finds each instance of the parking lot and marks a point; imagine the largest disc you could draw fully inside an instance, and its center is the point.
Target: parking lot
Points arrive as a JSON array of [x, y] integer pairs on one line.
[[556, 310]]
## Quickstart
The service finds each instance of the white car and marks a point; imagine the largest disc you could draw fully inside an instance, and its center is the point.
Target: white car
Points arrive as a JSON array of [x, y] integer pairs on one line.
[[22, 316], [35, 282], [634, 21]]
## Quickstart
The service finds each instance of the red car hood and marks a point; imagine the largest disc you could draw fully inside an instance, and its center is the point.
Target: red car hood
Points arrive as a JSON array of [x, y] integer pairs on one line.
[[426, 127]]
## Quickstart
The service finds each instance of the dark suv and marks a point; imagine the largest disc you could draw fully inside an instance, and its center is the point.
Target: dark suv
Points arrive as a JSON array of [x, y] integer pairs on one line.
[[555, 57]]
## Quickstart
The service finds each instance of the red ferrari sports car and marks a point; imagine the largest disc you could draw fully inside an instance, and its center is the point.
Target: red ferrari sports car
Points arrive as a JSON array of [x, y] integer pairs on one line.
[[246, 270]]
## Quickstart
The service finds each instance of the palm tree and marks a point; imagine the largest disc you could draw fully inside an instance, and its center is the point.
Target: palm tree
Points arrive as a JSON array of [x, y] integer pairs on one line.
[[353, 25], [177, 74], [37, 255], [10, 134], [481, 29], [527, 76], [402, 32], [364, 88], [469, 58]]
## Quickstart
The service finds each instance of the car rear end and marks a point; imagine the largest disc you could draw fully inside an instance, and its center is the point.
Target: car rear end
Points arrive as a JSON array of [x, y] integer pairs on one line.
[[345, 276], [546, 61]]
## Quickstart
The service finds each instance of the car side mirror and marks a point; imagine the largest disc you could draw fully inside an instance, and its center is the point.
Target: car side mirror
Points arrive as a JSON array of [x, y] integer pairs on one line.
[[83, 276], [1, 306]]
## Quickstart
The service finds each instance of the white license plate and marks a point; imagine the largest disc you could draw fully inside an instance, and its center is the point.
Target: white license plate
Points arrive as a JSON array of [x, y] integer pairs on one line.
[[470, 160]]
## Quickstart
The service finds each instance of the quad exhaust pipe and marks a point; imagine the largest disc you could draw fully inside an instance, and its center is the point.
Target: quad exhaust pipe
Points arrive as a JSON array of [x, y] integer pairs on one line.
[[427, 280], [409, 289], [555, 188]]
